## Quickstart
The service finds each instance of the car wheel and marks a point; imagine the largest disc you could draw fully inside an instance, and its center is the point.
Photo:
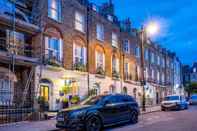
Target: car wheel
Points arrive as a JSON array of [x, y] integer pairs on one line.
[[93, 124], [163, 109], [134, 117]]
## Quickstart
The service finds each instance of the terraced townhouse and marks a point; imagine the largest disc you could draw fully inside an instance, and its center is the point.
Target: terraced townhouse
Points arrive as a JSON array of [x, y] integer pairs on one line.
[[79, 45]]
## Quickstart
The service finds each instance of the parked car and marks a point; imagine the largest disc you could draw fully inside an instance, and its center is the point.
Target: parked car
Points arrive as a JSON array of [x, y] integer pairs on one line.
[[97, 112], [174, 102], [193, 100]]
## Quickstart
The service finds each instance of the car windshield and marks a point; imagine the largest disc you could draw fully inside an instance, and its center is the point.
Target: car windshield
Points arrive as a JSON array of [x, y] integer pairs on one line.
[[194, 97], [92, 100], [171, 98]]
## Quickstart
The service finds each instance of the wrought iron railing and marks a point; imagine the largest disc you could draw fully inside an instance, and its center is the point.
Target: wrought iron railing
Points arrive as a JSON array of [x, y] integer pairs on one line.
[[10, 114], [23, 49], [52, 58], [127, 77]]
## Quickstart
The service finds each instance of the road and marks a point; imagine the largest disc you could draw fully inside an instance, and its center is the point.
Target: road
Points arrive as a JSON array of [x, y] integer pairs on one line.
[[185, 120]]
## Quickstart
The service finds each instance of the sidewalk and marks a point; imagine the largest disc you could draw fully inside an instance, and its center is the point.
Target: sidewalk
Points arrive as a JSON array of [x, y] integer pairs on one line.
[[150, 109], [49, 125]]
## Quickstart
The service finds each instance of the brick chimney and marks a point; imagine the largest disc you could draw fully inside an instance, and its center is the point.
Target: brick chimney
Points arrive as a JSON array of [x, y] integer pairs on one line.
[[126, 24], [107, 8]]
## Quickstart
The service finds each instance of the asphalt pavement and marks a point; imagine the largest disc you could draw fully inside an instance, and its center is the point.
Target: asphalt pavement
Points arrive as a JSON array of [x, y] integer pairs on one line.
[[185, 120]]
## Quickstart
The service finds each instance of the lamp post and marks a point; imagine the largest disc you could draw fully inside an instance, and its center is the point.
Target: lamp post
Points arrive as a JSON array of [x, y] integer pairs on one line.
[[151, 29]]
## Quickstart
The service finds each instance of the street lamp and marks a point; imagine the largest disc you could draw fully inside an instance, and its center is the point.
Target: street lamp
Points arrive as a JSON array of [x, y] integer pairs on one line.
[[149, 30]]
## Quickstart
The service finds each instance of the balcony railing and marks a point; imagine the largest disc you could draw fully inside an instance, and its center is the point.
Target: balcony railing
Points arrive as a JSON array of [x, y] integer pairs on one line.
[[17, 49], [53, 58], [79, 66], [127, 77], [115, 74]]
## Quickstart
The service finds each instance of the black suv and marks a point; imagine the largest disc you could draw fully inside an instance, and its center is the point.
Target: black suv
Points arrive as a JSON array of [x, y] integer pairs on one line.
[[100, 111]]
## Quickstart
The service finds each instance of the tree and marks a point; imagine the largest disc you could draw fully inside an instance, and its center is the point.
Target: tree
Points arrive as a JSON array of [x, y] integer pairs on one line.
[[191, 88]]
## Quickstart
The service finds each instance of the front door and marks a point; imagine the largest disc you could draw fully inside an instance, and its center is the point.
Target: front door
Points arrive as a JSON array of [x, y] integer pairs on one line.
[[44, 92]]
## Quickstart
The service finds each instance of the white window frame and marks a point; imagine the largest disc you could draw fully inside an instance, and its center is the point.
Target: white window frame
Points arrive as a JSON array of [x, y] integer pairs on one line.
[[146, 53], [80, 53], [115, 64], [126, 48], [137, 51], [55, 11], [54, 51], [158, 76], [114, 39], [126, 68], [152, 57], [79, 21], [98, 62], [158, 60], [153, 74], [100, 32], [146, 73]]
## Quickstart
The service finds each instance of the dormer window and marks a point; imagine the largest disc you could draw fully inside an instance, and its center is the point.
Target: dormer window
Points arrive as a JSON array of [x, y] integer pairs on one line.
[[110, 18], [95, 8]]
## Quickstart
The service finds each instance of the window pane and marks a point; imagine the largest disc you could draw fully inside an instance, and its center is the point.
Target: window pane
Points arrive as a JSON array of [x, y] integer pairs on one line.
[[54, 9], [100, 32], [79, 21]]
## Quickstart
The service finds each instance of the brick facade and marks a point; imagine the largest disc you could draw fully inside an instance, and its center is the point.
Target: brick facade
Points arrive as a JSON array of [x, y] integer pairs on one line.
[[88, 79]]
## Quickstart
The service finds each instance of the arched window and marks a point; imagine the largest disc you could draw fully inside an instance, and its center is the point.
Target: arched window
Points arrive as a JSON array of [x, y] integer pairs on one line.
[[125, 90], [53, 45], [112, 89]]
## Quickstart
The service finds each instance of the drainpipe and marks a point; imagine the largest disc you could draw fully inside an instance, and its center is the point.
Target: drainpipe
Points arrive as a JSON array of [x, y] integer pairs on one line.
[[87, 38]]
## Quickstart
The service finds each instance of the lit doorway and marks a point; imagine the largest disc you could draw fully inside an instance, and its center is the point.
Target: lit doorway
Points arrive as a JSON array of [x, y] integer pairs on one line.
[[44, 92]]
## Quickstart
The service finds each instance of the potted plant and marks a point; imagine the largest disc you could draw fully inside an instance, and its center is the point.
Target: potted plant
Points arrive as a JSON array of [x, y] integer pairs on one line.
[[75, 100], [79, 66], [100, 71], [65, 103], [115, 74]]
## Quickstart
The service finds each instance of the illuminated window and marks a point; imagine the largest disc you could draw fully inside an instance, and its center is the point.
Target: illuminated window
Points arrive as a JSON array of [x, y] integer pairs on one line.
[[79, 54], [100, 60], [126, 46], [158, 60], [100, 32], [114, 40], [54, 48], [79, 22], [115, 64], [146, 54], [54, 9], [152, 58], [137, 51]]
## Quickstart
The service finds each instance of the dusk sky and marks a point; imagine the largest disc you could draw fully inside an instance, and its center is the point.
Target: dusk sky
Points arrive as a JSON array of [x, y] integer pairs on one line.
[[178, 20]]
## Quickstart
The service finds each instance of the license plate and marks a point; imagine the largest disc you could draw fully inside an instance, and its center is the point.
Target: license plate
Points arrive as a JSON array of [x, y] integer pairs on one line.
[[60, 119]]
